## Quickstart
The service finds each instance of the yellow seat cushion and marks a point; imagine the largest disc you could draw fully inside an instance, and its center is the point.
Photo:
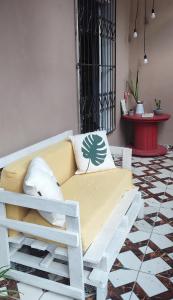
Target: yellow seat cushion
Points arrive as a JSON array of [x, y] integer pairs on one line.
[[59, 157], [97, 194]]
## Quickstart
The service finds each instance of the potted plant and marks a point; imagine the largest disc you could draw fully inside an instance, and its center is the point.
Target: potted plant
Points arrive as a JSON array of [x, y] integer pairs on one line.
[[134, 90], [158, 110], [8, 287]]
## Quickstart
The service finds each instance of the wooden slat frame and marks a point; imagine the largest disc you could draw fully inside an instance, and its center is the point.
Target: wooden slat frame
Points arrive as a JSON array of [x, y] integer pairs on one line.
[[73, 238], [52, 234], [97, 249], [68, 207], [37, 262], [6, 160], [125, 153], [75, 257], [4, 244], [124, 228], [59, 288]]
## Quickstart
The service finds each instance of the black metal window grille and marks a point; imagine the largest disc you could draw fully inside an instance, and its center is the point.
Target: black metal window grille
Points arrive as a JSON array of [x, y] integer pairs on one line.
[[96, 62]]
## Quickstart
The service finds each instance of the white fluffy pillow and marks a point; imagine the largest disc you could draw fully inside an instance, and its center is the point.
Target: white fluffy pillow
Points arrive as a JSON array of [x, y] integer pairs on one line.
[[40, 181], [92, 152], [40, 164]]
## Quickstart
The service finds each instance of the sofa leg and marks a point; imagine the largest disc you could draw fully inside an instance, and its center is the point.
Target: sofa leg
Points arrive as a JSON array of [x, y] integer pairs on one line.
[[101, 293]]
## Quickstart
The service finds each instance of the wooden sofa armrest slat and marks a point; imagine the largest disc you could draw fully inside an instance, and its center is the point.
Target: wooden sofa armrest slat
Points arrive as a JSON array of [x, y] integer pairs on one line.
[[69, 208], [125, 153], [53, 234]]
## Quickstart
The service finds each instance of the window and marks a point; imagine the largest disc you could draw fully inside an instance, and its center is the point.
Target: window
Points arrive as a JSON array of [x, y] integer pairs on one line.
[[95, 32]]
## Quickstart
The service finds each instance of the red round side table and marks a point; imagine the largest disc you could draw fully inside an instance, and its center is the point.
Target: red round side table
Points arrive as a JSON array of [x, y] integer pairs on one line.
[[145, 134]]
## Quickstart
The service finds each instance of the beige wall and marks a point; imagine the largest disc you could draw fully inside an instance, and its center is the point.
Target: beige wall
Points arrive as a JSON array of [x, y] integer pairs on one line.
[[122, 65], [37, 70], [155, 77]]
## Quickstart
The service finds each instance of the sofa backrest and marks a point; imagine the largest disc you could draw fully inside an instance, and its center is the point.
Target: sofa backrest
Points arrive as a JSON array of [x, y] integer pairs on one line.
[[60, 158]]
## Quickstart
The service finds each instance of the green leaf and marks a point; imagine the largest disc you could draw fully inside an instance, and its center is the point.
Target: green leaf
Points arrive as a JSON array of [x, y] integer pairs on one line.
[[3, 271], [94, 149], [134, 87]]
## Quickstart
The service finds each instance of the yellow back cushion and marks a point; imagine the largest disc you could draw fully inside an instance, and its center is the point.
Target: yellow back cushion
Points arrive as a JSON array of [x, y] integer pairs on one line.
[[59, 157]]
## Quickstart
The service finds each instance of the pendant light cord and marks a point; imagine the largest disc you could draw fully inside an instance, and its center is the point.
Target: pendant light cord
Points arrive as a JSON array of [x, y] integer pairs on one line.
[[145, 22], [137, 10], [153, 5]]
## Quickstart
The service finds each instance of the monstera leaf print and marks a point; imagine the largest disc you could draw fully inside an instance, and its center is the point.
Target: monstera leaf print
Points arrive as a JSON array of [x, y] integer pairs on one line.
[[94, 149]]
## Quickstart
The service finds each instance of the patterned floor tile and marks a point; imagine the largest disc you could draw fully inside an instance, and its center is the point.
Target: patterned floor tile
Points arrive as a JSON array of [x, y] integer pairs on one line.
[[139, 237], [28, 292], [157, 190], [150, 216], [146, 249], [155, 266], [116, 293], [144, 225], [163, 173], [130, 260], [170, 185], [161, 257], [164, 221], [167, 204], [167, 163], [150, 287], [169, 192], [150, 178], [152, 202], [169, 154], [166, 214], [163, 229], [160, 241], [160, 184], [139, 171], [132, 249], [129, 296], [122, 277]]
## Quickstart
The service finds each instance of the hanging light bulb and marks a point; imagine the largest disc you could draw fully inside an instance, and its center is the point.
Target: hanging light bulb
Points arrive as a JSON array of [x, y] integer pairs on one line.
[[135, 34], [145, 59], [153, 14], [145, 22]]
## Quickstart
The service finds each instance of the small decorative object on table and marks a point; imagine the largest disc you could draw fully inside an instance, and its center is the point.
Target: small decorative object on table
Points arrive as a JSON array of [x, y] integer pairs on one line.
[[131, 112], [134, 90], [158, 110], [147, 115], [123, 107]]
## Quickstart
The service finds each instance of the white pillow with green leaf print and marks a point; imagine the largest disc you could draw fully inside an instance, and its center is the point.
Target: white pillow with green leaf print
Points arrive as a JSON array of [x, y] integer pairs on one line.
[[92, 152]]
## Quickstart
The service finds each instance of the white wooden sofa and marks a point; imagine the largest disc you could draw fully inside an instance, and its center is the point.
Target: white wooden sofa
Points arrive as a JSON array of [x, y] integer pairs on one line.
[[91, 267]]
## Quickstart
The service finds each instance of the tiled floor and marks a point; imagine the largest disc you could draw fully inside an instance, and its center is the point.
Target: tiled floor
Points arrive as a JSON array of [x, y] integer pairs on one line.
[[144, 268]]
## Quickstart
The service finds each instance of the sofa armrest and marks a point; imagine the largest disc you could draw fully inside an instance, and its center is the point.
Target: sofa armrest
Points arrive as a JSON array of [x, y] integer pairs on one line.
[[125, 153], [68, 208]]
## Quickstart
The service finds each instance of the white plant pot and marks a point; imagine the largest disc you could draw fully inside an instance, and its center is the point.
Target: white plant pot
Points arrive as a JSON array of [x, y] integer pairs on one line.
[[139, 109]]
